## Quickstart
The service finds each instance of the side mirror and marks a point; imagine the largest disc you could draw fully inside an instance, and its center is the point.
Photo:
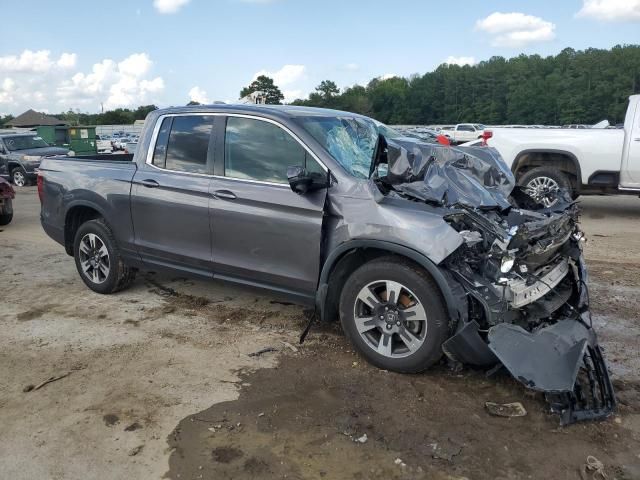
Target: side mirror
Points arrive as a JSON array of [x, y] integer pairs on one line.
[[302, 182]]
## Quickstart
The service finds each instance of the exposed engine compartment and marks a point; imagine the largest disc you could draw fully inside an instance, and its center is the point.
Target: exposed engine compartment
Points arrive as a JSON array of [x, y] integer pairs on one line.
[[519, 273]]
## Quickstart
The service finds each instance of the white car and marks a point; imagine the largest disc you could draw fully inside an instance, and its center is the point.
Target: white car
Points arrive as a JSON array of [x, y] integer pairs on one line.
[[463, 132], [582, 161], [103, 145]]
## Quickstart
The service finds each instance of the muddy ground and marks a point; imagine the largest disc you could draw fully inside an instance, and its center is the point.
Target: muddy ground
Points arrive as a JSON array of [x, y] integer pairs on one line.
[[159, 381]]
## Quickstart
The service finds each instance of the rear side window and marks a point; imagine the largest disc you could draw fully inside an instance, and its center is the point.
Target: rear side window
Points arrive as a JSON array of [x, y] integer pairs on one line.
[[259, 150], [183, 143]]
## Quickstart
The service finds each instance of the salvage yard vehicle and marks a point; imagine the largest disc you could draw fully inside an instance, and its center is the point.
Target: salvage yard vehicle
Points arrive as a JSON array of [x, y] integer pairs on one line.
[[580, 161], [103, 145], [7, 195], [421, 250], [20, 155], [463, 132]]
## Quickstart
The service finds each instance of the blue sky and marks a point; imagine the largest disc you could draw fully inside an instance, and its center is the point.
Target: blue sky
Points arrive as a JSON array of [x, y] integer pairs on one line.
[[71, 54]]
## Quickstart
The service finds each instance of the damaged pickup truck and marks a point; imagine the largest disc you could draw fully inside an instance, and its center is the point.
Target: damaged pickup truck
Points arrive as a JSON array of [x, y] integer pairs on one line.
[[422, 250]]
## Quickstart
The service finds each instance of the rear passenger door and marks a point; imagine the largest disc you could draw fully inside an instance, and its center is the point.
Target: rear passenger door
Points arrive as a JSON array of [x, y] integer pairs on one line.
[[264, 233], [170, 194]]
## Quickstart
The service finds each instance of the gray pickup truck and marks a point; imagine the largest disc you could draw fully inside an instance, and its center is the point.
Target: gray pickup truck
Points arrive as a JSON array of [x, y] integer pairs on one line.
[[421, 250]]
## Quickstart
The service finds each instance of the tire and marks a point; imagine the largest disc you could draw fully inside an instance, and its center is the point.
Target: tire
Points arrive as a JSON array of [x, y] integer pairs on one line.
[[6, 219], [381, 342], [541, 183], [19, 177], [98, 259]]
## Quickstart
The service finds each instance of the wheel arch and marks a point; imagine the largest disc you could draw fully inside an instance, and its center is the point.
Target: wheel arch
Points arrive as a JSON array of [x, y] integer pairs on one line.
[[563, 160], [78, 213], [344, 259]]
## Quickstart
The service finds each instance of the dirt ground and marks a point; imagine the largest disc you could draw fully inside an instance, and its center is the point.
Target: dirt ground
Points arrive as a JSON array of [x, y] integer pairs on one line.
[[159, 382]]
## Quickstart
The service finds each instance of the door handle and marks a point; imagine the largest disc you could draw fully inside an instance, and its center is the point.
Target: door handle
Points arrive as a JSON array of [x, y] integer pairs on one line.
[[226, 194], [150, 183]]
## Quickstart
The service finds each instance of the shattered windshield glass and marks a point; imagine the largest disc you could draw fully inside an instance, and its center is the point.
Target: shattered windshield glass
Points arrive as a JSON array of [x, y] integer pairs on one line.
[[350, 140]]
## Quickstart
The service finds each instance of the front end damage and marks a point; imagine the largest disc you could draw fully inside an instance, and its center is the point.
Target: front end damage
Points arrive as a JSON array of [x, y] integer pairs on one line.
[[519, 273]]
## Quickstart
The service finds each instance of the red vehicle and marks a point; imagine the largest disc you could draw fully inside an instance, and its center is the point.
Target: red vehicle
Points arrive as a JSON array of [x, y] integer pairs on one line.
[[7, 194]]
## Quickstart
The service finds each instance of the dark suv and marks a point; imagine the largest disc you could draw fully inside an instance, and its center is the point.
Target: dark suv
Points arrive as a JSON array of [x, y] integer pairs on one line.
[[20, 156]]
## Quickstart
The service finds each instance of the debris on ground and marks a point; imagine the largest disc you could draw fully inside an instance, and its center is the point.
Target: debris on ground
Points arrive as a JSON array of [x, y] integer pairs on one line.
[[263, 351], [362, 439], [133, 427], [135, 450], [515, 409], [30, 388], [398, 461], [595, 468], [445, 450], [289, 346]]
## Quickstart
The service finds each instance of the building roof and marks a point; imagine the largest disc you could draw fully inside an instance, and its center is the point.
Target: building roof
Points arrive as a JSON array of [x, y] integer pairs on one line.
[[31, 118]]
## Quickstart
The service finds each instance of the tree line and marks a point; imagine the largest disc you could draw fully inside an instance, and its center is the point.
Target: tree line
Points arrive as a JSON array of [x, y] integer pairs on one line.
[[571, 87], [575, 86]]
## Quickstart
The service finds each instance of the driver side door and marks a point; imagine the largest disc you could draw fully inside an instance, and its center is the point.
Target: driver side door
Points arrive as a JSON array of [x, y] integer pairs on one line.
[[264, 234]]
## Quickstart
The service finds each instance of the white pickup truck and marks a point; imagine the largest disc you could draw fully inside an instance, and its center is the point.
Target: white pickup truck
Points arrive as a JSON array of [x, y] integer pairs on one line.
[[463, 132], [582, 161]]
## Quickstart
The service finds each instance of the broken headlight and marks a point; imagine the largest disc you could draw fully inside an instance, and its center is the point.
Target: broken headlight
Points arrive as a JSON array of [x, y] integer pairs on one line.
[[506, 264]]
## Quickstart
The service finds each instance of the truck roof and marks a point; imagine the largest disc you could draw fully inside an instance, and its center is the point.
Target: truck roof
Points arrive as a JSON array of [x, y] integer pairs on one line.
[[287, 111]]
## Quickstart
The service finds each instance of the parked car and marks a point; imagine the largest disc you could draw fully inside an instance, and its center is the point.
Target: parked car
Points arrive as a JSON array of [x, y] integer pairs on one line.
[[580, 161], [131, 147], [7, 194], [103, 144], [463, 132], [440, 254], [20, 156]]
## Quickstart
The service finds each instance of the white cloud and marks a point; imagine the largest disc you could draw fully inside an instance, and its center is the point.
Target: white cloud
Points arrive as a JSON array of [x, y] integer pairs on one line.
[[196, 94], [352, 67], [169, 6], [119, 84], [286, 76], [451, 60], [611, 10], [387, 76], [67, 60], [516, 29], [27, 61]]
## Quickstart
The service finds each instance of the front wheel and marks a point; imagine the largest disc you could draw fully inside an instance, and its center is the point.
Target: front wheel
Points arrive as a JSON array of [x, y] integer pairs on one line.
[[19, 177], [394, 315], [98, 260]]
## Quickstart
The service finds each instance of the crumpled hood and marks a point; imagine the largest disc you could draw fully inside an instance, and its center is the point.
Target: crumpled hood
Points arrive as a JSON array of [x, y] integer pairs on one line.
[[472, 176]]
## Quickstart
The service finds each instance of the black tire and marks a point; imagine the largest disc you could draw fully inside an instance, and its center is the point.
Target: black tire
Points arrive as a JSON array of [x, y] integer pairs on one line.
[[19, 172], [119, 276], [6, 219], [561, 179], [419, 283]]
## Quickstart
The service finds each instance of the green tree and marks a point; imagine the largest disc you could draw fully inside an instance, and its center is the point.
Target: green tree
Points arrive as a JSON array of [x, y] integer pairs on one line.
[[327, 89], [265, 85]]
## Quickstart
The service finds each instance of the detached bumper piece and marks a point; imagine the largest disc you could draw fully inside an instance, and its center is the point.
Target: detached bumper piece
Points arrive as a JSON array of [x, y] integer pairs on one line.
[[563, 361]]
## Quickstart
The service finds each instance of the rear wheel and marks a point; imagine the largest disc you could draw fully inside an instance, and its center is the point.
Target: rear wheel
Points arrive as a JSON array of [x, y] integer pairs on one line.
[[98, 260], [393, 313], [543, 184], [19, 177]]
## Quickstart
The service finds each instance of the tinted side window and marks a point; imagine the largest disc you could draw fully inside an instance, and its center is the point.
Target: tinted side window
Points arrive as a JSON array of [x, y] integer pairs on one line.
[[188, 143], [466, 128], [259, 150]]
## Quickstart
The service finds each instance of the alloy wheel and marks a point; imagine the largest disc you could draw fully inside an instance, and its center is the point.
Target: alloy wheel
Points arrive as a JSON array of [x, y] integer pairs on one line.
[[390, 319], [544, 190], [94, 258], [19, 179]]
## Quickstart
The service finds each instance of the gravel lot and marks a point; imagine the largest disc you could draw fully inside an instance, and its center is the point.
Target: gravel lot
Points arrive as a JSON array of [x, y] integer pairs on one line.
[[159, 381]]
